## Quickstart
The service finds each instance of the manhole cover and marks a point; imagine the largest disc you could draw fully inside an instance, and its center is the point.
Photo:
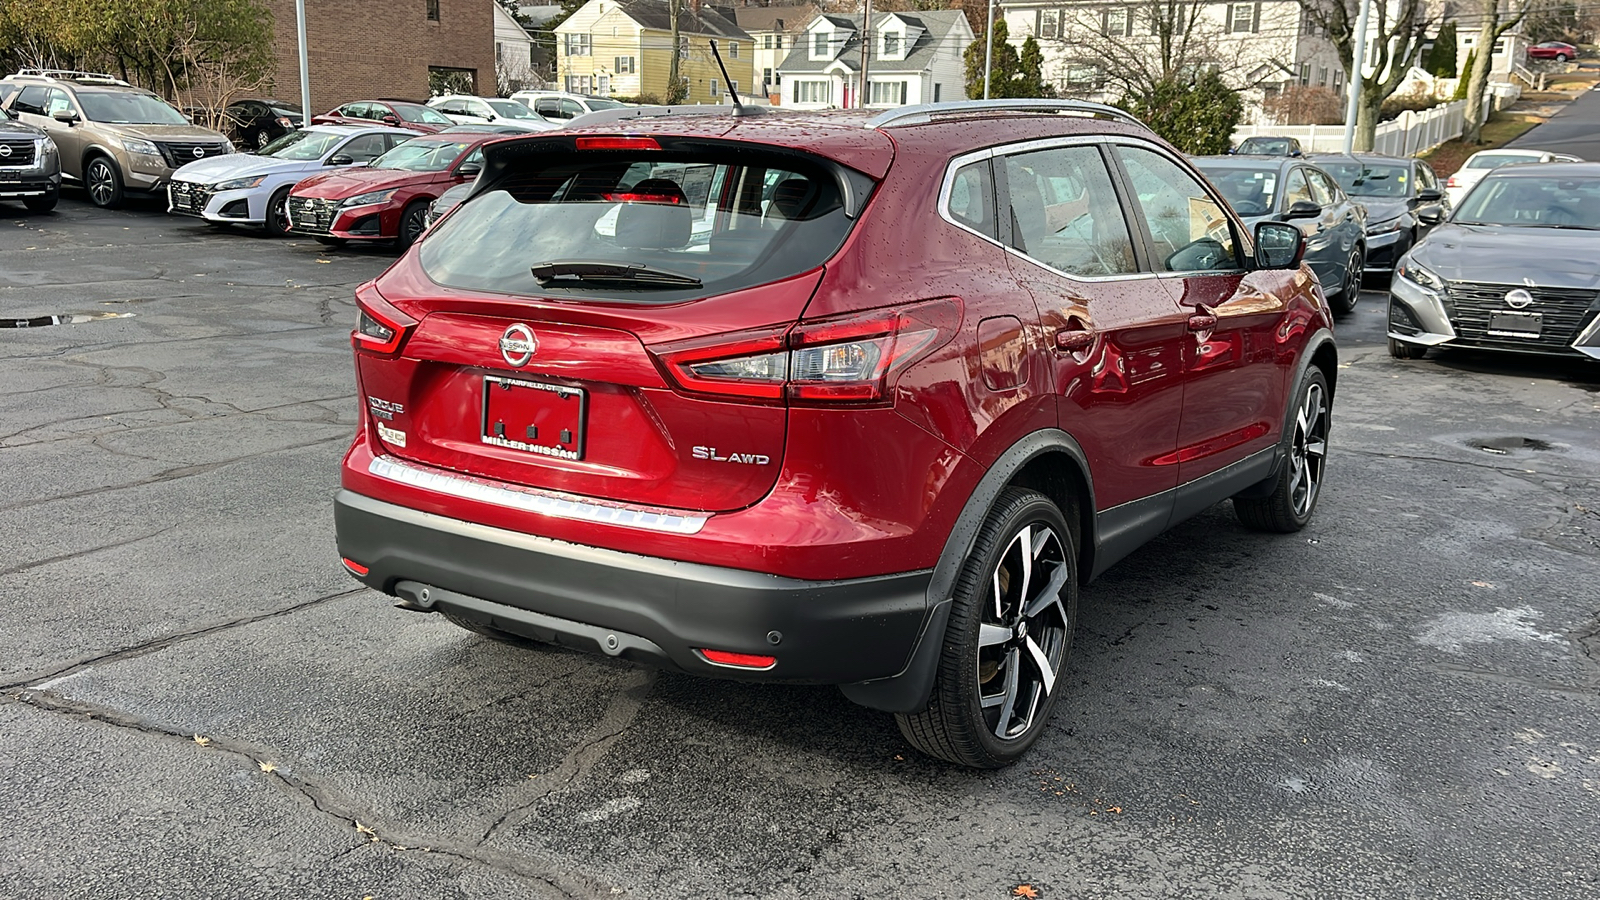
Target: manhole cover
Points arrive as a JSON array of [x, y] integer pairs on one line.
[[1500, 446]]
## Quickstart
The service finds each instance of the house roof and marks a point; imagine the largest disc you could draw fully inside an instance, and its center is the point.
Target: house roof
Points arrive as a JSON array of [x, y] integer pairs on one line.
[[790, 19], [936, 24], [710, 20]]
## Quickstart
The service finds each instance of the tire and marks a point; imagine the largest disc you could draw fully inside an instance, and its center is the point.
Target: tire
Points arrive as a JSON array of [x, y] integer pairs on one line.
[[42, 204], [103, 182], [995, 654], [1299, 480], [1403, 350], [413, 222], [1350, 293], [262, 139], [1561, 57], [489, 631], [277, 219], [328, 241]]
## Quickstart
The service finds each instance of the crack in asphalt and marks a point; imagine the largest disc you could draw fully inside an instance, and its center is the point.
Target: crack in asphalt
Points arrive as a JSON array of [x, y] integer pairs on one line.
[[581, 760], [1580, 692], [188, 417], [87, 552], [37, 681], [371, 828]]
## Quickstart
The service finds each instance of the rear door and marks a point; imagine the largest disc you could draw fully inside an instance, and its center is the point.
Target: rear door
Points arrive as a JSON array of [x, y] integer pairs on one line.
[[1116, 333]]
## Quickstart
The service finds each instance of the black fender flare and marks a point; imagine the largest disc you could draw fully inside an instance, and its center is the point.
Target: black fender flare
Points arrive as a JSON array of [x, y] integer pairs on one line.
[[909, 690]]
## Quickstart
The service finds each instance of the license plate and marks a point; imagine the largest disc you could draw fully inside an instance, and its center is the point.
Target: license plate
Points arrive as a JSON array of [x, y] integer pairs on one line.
[[1523, 325], [534, 417]]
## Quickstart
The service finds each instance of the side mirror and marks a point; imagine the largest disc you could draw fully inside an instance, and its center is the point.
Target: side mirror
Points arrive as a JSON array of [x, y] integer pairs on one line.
[[492, 117], [1278, 246], [469, 170], [391, 119], [1302, 209], [65, 115], [1430, 195], [341, 160], [1431, 216]]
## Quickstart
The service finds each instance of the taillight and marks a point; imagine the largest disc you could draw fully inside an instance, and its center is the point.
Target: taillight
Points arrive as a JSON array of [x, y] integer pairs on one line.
[[850, 359], [285, 121], [1452, 182], [380, 327]]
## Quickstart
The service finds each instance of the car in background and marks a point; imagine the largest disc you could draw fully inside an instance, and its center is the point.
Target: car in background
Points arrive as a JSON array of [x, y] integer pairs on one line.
[[1485, 161], [115, 139], [1402, 195], [253, 188], [1287, 189], [257, 123], [388, 199], [809, 449], [521, 126], [1559, 51], [1268, 146], [560, 106], [395, 113], [465, 110], [1516, 268], [30, 165]]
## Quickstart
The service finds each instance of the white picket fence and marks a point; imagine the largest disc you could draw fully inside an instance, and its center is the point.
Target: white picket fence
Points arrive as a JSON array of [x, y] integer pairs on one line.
[[1410, 134]]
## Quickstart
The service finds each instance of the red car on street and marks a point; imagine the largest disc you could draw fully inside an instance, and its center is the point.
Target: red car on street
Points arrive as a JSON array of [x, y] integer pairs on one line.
[[399, 114], [1556, 50], [853, 397], [386, 200]]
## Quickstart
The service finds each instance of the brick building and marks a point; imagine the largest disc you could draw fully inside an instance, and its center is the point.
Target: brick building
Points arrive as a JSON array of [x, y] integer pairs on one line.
[[361, 49]]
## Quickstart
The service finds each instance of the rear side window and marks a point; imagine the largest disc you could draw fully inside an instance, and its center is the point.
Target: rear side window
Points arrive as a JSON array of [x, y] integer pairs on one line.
[[654, 227], [1065, 214]]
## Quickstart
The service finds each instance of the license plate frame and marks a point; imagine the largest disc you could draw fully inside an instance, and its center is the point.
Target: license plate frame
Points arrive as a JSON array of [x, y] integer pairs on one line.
[[534, 416], [10, 176], [1516, 325]]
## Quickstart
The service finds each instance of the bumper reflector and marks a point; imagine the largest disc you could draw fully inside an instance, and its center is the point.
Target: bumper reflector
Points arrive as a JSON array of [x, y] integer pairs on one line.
[[739, 660], [354, 567]]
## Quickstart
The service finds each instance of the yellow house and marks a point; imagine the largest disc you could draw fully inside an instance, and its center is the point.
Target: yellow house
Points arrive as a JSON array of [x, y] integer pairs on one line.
[[622, 48]]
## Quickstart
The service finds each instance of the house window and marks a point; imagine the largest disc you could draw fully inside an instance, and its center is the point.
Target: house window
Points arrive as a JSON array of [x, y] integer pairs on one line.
[[891, 43], [622, 65], [1242, 18], [1049, 23], [766, 42], [579, 84], [602, 85], [1082, 75], [578, 45], [716, 89], [819, 43], [813, 92], [733, 49], [433, 10], [1159, 19], [683, 48], [1338, 79], [499, 53], [1305, 73], [1117, 22], [886, 93], [1322, 76], [936, 91], [766, 77], [777, 42]]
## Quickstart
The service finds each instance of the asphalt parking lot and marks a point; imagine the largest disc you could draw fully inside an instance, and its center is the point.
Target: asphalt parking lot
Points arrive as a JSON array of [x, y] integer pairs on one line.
[[1402, 701]]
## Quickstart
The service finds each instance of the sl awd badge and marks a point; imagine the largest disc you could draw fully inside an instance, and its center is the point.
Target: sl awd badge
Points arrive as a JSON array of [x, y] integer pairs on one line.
[[518, 345]]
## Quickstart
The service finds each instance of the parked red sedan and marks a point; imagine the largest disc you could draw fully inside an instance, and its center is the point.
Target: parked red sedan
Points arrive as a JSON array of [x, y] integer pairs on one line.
[[412, 116], [1556, 50], [388, 200]]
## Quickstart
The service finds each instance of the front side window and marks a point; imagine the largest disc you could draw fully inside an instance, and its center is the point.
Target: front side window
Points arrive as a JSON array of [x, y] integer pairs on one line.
[[1323, 190], [1298, 190], [422, 156], [364, 148], [1190, 231], [1064, 212], [301, 145], [421, 115]]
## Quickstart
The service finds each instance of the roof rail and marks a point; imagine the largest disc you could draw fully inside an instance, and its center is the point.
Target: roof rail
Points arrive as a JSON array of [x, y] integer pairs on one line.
[[607, 116], [923, 113], [74, 75]]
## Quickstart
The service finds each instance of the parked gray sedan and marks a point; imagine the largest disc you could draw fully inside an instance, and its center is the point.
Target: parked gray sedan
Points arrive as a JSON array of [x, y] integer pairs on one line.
[[1285, 189]]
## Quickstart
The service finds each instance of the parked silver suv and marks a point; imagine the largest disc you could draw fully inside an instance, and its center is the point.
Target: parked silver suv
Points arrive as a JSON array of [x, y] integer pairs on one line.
[[30, 165], [114, 138]]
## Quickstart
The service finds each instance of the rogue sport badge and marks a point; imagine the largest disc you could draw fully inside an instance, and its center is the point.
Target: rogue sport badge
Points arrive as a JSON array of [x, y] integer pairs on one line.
[[1518, 299], [518, 345]]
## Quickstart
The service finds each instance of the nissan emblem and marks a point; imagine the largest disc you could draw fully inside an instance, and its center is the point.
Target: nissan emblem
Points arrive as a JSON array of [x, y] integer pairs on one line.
[[199, 152], [518, 345], [1518, 299], [5, 149]]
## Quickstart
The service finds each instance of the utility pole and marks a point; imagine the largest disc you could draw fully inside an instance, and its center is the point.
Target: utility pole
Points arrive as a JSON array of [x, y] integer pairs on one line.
[[988, 48], [866, 53], [305, 65], [672, 69], [1358, 60]]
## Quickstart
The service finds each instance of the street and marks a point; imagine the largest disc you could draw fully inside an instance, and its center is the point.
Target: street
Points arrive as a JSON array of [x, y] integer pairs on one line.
[[1403, 700]]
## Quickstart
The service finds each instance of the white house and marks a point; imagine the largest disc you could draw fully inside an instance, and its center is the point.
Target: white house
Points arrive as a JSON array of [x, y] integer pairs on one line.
[[513, 54], [774, 29], [913, 58]]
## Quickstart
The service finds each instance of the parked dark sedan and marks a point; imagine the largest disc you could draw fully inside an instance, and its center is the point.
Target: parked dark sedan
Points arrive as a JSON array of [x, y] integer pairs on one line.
[[253, 124], [1286, 189], [1403, 197], [1269, 146], [1516, 268]]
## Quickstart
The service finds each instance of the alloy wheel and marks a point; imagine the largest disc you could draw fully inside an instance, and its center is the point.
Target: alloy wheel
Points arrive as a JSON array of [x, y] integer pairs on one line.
[[102, 182], [1023, 633], [1310, 450]]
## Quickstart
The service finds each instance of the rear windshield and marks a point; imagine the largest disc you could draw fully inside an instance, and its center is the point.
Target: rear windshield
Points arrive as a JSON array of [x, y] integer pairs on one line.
[[690, 225], [1370, 179], [1249, 190], [1499, 159]]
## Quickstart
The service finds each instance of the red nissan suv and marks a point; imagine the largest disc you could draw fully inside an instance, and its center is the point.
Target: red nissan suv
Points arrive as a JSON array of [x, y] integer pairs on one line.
[[849, 398]]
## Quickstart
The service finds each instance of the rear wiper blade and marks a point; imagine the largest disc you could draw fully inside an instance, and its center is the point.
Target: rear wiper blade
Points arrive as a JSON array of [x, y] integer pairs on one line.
[[582, 271]]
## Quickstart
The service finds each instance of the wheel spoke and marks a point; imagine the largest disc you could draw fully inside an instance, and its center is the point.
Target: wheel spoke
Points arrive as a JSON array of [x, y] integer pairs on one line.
[[1050, 594], [1026, 537], [1047, 675], [1002, 725], [990, 635], [1317, 448], [1296, 472], [999, 607]]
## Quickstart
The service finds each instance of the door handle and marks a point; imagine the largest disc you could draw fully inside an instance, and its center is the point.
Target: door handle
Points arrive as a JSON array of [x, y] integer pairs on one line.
[[1202, 322], [1074, 338]]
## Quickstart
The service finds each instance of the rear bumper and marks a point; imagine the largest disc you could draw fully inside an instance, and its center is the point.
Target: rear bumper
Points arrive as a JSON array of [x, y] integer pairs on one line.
[[641, 608]]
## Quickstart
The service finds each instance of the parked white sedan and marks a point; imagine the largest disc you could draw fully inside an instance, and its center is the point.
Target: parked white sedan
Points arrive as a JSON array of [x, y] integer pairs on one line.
[[253, 188], [1484, 161], [466, 110]]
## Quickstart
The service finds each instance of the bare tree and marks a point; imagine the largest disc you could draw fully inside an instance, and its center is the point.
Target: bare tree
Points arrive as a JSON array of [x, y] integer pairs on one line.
[[1395, 32], [1493, 22]]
